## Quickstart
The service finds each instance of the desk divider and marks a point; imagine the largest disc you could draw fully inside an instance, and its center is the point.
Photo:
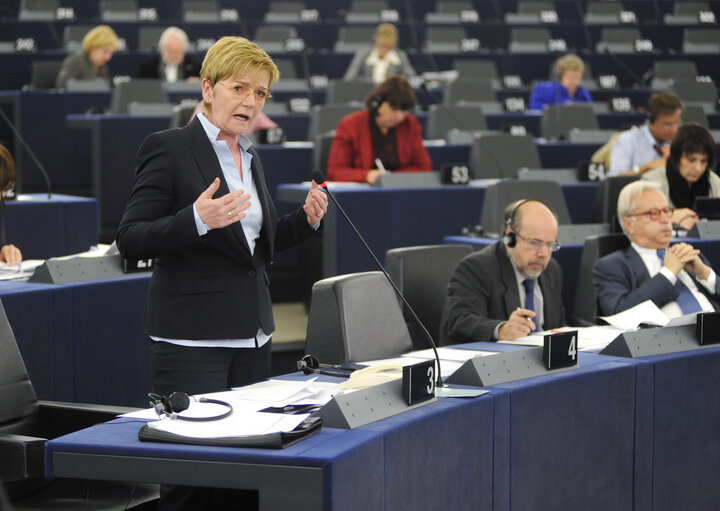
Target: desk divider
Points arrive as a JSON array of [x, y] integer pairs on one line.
[[501, 368], [654, 341], [79, 269], [363, 406]]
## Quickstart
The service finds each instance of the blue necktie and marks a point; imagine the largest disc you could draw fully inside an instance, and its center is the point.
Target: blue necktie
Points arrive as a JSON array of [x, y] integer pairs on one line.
[[529, 285], [687, 302]]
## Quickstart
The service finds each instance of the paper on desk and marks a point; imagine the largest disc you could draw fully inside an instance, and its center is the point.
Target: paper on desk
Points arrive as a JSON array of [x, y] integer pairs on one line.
[[22, 270], [630, 319], [458, 355], [235, 425], [592, 337]]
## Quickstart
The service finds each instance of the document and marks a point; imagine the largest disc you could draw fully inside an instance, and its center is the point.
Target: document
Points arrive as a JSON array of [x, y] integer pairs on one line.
[[22, 270], [589, 338], [630, 319]]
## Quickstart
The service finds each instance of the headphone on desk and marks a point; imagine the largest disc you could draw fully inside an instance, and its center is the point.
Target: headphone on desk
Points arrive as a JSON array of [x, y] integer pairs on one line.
[[179, 402], [310, 364]]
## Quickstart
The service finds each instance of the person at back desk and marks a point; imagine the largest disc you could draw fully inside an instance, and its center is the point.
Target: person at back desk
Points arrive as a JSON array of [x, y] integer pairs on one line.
[[566, 88], [385, 131], [688, 173], [90, 63], [172, 64], [510, 288]]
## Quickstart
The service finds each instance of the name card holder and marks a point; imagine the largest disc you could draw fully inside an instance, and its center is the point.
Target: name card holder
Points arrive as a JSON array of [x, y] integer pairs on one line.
[[79, 269], [654, 341], [502, 367], [708, 328], [363, 406]]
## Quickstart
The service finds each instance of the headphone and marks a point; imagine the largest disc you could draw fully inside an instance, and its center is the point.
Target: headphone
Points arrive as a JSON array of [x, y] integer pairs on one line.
[[510, 239], [310, 364], [376, 102], [179, 402]]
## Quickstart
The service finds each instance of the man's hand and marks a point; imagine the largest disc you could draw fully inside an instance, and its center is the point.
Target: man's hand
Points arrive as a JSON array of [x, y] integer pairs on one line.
[[223, 211], [519, 324], [684, 256]]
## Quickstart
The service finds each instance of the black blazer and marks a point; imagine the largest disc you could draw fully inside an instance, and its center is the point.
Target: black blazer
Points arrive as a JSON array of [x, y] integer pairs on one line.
[[207, 287], [150, 68], [483, 292]]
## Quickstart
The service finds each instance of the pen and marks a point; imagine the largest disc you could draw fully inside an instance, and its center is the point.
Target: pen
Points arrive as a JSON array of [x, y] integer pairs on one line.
[[526, 317], [379, 165]]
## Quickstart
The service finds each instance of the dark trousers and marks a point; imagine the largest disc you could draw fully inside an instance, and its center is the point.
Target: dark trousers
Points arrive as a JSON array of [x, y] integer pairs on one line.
[[198, 371]]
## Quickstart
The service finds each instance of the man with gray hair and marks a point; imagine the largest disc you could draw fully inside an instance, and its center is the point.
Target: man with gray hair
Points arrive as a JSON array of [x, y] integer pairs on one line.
[[677, 278], [172, 64]]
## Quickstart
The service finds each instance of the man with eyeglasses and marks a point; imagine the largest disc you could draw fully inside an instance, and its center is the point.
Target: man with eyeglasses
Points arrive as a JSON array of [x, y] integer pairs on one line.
[[677, 278], [511, 288]]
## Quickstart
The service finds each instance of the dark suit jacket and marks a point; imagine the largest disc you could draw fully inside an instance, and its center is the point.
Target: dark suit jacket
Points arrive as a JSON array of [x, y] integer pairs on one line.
[[150, 68], [622, 281], [207, 287], [483, 292], [351, 154]]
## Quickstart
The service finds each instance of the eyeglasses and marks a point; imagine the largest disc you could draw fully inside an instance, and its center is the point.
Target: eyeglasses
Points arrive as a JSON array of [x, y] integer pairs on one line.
[[654, 214], [552, 246], [243, 91]]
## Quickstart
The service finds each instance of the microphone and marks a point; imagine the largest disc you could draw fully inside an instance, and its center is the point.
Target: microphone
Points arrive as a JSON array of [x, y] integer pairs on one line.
[[638, 81], [310, 364], [319, 178], [586, 30], [30, 152]]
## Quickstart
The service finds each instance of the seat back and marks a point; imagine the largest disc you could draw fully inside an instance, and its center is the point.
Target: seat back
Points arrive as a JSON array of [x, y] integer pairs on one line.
[[585, 307], [44, 73], [696, 114], [118, 10], [149, 37], [321, 152], [529, 40], [701, 40], [352, 38], [476, 68], [442, 119], [324, 118], [469, 90], [421, 274], [500, 155], [73, 36], [355, 317], [693, 92], [37, 10], [618, 39], [558, 120], [500, 194], [606, 197], [201, 11], [140, 90], [351, 91]]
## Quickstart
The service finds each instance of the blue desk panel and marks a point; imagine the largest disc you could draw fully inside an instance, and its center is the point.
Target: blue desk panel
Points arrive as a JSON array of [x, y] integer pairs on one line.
[[44, 228], [390, 218]]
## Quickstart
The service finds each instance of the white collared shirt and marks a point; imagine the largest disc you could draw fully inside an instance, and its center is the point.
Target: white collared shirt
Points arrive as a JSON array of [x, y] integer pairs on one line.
[[380, 65], [654, 266], [633, 148], [251, 224]]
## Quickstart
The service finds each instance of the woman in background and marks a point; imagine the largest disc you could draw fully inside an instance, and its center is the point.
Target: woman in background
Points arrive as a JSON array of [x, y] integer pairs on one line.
[[568, 71], [382, 59], [384, 132], [90, 63], [688, 173], [9, 253]]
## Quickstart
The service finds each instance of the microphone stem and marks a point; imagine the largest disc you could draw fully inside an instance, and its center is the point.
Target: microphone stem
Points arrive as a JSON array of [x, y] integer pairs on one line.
[[29, 151], [439, 382]]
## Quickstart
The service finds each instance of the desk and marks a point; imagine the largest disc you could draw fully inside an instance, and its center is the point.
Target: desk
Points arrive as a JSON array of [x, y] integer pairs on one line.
[[82, 342], [44, 228], [564, 440], [390, 218], [569, 259]]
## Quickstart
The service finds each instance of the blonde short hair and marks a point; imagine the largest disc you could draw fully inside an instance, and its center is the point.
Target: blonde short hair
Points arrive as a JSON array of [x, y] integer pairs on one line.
[[100, 37], [230, 56], [568, 63], [386, 34]]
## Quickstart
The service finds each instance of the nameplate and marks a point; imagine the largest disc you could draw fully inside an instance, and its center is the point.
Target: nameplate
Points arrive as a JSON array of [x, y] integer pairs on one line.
[[708, 328], [418, 382], [560, 350], [653, 341]]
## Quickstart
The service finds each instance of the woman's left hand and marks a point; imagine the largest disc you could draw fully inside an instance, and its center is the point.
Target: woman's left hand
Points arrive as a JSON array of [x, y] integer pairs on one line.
[[316, 204]]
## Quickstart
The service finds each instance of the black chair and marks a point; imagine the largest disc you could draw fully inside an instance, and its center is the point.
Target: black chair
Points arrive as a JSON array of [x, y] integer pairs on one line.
[[586, 307], [469, 90], [118, 10], [139, 90], [37, 10], [324, 118], [500, 155], [444, 39], [421, 274], [321, 151], [43, 74], [529, 40], [603, 13], [271, 38], [200, 11], [26, 424], [355, 317], [442, 119], [284, 12], [528, 13], [666, 71], [500, 194], [352, 38], [558, 120], [450, 11], [701, 40], [149, 37], [350, 91], [606, 197], [485, 69], [618, 39], [696, 114], [73, 35], [366, 11], [686, 13], [692, 92]]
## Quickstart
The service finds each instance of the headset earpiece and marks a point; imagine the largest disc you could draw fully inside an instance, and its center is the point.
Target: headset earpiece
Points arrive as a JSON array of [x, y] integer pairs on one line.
[[376, 102], [510, 239]]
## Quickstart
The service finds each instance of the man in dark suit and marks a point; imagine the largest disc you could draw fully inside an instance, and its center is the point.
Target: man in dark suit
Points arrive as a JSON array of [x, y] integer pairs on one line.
[[677, 278], [511, 288], [172, 64]]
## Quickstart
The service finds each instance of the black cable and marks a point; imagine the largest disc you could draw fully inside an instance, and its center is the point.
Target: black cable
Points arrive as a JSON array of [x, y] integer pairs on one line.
[[30, 152]]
